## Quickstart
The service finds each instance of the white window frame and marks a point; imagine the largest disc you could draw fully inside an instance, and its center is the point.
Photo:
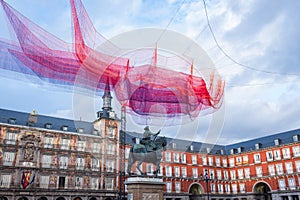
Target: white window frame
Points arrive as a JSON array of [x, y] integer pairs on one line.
[[183, 158], [271, 169], [46, 161], [296, 151], [247, 172], [259, 172], [194, 159], [289, 167], [257, 158], [9, 158], [286, 153], [5, 180], [277, 155]]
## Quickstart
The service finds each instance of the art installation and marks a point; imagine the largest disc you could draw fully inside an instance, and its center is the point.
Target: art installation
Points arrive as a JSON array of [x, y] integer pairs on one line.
[[139, 82]]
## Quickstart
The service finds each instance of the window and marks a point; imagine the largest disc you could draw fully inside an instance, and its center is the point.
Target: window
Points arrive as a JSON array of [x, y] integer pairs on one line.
[[281, 183], [232, 151], [78, 182], [269, 155], [279, 168], [259, 171], [231, 162], [110, 149], [63, 162], [232, 175], [257, 158], [111, 132], [245, 160], [183, 158], [46, 161], [183, 170], [292, 184], [225, 175], [149, 169], [96, 148], [286, 153], [11, 138], [295, 138], [213, 188], [5, 180], [224, 162], [94, 183], [8, 158], [80, 163], [271, 170], [194, 159], [241, 173], [173, 145], [277, 142], [218, 162], [297, 163], [177, 171], [204, 161], [65, 144], [110, 165], [44, 182], [64, 128], [212, 173], [12, 120], [160, 173], [227, 188], [210, 161], [208, 149], [109, 183], [219, 174], [289, 167], [242, 188], [220, 188], [168, 171], [234, 188], [95, 164], [296, 151], [48, 126], [80, 145], [48, 142], [192, 148], [176, 157], [277, 155], [195, 172], [257, 146], [169, 187], [247, 172], [177, 187], [238, 160], [168, 156]]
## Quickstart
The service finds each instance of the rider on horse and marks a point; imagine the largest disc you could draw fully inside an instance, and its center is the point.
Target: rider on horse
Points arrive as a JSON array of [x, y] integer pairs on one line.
[[146, 140]]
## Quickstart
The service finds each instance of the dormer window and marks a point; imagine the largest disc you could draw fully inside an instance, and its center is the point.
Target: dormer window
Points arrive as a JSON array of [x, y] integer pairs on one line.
[[222, 152], [64, 128], [192, 148], [173, 145], [208, 150], [12, 120], [257, 146], [240, 149], [277, 142], [48, 125], [80, 130], [232, 151], [296, 138]]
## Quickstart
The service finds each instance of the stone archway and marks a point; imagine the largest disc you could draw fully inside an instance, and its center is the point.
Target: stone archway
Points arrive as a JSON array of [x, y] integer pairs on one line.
[[196, 189], [262, 191], [3, 198], [93, 198], [77, 198], [60, 198]]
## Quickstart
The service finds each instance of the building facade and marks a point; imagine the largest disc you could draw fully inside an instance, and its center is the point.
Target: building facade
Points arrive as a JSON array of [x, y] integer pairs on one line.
[[50, 158]]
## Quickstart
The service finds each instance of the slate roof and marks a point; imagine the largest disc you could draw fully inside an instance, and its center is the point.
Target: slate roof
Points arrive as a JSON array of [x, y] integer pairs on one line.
[[57, 123], [181, 145]]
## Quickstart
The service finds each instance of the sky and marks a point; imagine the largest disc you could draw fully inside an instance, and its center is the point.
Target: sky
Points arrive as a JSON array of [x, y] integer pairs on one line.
[[254, 45]]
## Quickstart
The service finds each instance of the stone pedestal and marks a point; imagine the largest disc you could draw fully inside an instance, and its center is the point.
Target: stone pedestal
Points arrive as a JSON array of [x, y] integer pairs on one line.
[[140, 188]]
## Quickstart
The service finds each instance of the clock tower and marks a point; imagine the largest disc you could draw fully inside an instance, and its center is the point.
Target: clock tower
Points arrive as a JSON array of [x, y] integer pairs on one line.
[[106, 111]]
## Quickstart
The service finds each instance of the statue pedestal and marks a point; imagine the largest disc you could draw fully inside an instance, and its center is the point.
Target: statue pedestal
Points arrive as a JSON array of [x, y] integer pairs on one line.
[[143, 188]]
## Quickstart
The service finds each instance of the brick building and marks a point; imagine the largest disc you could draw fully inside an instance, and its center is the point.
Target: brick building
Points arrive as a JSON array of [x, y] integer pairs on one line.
[[50, 158]]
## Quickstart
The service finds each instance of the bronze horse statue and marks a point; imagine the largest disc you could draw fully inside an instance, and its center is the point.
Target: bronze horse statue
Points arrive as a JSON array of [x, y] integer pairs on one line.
[[139, 153]]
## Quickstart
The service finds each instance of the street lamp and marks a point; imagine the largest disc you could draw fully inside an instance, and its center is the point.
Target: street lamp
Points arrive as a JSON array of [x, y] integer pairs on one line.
[[206, 178]]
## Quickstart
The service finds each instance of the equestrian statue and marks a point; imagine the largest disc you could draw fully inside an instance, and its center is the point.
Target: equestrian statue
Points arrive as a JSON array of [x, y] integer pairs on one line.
[[149, 150]]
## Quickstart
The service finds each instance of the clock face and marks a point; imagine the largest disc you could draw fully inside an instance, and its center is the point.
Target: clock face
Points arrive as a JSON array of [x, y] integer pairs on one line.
[[112, 115]]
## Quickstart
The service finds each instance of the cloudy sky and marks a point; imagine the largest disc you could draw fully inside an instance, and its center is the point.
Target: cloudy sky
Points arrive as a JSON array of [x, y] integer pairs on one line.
[[254, 44]]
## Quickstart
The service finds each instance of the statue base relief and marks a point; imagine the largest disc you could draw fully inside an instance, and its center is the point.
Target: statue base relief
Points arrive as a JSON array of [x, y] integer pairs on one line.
[[145, 188]]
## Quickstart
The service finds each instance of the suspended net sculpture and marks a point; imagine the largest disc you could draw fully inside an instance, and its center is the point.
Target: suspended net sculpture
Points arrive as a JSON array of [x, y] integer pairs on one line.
[[145, 80]]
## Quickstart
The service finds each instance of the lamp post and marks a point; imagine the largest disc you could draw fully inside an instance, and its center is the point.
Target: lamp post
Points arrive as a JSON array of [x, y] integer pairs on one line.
[[206, 178]]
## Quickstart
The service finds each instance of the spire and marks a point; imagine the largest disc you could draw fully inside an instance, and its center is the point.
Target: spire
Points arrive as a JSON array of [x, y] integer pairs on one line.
[[107, 97]]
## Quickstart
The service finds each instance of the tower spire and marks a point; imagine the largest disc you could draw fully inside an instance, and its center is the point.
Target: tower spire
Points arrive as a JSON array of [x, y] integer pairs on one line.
[[107, 97]]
